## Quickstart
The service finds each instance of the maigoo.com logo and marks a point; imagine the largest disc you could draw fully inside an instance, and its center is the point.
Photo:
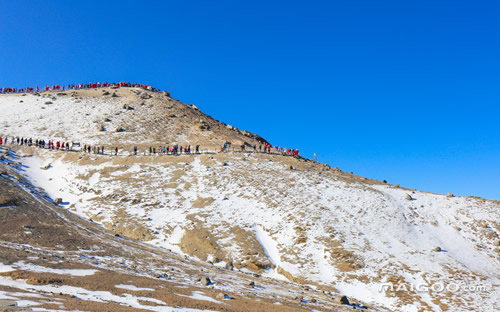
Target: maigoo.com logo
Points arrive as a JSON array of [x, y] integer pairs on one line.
[[436, 287]]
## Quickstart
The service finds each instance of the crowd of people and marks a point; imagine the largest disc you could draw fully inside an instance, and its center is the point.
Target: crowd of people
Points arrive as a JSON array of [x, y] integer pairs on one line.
[[91, 85], [161, 150], [267, 147]]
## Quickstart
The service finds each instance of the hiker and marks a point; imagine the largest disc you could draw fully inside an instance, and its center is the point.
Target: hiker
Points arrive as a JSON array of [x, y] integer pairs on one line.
[[102, 150], [197, 149], [116, 151], [150, 150], [135, 150]]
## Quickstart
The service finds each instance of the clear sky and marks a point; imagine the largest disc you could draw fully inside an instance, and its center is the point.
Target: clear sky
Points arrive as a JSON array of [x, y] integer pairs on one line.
[[406, 91]]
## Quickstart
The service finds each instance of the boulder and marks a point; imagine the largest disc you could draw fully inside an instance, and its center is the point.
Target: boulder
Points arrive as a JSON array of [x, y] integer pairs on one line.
[[47, 166], [229, 266], [408, 197], [205, 281], [58, 201], [436, 249], [450, 195], [341, 300]]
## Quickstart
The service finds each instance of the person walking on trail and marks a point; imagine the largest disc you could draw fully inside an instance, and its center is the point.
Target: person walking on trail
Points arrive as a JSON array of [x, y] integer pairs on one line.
[[314, 156], [116, 151], [135, 150], [197, 149]]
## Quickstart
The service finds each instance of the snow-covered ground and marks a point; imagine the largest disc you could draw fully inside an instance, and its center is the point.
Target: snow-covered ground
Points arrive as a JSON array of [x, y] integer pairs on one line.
[[315, 227], [320, 229]]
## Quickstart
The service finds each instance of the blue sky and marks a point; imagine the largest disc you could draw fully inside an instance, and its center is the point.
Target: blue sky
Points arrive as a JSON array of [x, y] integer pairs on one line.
[[406, 91]]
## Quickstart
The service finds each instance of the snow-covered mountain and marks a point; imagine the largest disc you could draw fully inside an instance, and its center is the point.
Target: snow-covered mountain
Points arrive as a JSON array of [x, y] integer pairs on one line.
[[285, 218]]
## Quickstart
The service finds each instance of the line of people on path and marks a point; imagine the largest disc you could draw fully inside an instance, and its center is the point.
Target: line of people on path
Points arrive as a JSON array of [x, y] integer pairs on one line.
[[263, 147], [94, 149], [266, 147], [162, 150], [92, 85], [39, 143]]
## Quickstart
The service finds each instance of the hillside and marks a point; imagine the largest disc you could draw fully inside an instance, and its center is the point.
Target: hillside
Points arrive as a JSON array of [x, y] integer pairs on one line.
[[284, 218], [121, 117], [53, 260]]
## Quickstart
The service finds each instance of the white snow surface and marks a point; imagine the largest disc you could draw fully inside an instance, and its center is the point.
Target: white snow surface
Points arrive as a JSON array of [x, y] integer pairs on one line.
[[20, 265], [198, 295], [133, 288], [83, 294]]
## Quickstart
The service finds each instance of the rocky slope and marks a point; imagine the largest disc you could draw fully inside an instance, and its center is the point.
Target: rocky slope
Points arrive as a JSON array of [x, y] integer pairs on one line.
[[53, 260], [284, 218]]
